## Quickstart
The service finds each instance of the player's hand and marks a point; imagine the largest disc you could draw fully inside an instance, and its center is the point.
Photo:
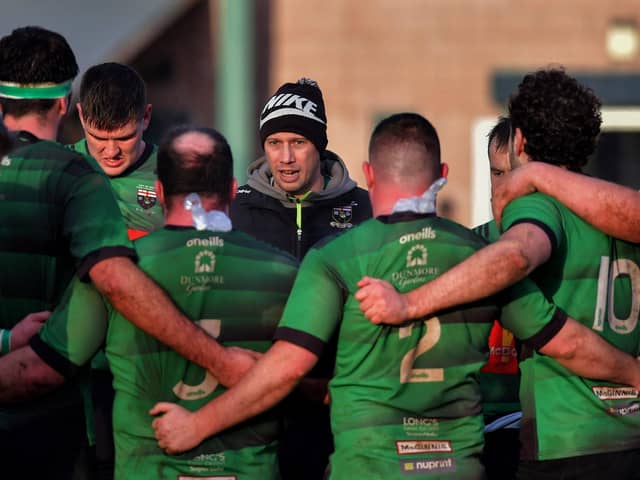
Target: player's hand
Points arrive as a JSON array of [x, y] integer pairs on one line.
[[26, 328], [176, 430], [237, 362], [514, 184], [380, 302]]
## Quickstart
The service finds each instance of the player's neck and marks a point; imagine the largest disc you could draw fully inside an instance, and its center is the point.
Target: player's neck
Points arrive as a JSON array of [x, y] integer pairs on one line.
[[180, 217], [384, 199], [43, 127]]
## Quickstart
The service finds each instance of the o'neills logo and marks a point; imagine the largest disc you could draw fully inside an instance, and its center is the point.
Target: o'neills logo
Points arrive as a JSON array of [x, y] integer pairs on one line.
[[290, 104], [409, 447], [427, 233], [205, 242]]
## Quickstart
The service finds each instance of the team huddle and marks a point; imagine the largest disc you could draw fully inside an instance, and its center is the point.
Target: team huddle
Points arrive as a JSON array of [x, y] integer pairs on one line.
[[159, 322]]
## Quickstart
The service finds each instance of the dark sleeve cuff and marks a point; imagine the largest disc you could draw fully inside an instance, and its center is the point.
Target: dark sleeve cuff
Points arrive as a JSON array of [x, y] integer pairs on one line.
[[302, 339], [549, 331], [52, 358], [544, 227], [96, 256]]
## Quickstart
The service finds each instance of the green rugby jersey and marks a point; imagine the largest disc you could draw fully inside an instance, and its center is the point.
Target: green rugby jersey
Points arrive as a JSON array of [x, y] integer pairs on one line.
[[58, 217], [236, 288], [404, 400], [500, 377], [135, 191], [595, 279]]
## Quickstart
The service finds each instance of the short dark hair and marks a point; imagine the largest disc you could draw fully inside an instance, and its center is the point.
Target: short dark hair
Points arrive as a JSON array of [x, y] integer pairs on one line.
[[186, 171], [559, 117], [406, 128], [112, 95], [500, 134], [34, 55]]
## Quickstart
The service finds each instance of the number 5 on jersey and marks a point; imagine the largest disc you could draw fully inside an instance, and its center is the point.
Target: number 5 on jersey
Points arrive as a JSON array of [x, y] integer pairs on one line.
[[209, 384]]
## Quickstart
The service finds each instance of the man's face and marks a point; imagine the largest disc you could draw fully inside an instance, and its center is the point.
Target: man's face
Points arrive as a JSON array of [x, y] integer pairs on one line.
[[499, 162], [116, 150], [294, 162]]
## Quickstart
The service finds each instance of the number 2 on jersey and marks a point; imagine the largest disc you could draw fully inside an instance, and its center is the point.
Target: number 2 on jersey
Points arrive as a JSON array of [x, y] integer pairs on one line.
[[209, 384], [408, 374]]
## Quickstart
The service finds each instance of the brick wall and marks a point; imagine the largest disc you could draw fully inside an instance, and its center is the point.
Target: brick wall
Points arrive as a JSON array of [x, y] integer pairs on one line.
[[436, 57]]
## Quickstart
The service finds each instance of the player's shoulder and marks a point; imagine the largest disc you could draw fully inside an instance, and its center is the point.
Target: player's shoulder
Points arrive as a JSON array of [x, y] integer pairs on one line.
[[57, 156]]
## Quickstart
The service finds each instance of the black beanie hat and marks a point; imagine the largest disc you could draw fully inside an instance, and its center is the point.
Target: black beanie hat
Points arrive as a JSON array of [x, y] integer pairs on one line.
[[297, 108]]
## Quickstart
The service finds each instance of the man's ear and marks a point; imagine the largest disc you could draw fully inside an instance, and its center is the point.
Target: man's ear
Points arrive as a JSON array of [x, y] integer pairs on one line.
[[63, 105], [518, 141], [369, 175], [444, 170], [146, 116]]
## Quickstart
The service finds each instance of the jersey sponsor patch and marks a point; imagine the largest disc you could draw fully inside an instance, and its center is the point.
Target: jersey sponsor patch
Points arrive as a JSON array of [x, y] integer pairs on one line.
[[503, 356], [146, 196], [416, 271], [623, 411], [215, 477], [614, 393], [420, 426], [416, 256], [412, 447], [204, 265], [439, 465], [342, 217]]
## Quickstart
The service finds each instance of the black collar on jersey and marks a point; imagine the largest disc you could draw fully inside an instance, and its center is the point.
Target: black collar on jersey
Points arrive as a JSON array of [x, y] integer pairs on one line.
[[22, 137], [404, 217], [179, 227]]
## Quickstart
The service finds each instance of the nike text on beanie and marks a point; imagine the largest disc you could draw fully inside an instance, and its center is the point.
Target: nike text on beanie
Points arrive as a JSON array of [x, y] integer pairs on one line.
[[297, 108]]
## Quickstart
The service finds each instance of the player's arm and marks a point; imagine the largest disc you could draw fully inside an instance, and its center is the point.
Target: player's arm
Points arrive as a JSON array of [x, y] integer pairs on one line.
[[516, 254], [148, 307], [273, 377], [588, 355], [609, 207], [71, 336], [24, 375]]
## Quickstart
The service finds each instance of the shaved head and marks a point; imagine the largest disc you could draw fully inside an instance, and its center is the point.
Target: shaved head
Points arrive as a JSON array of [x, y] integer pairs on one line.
[[404, 149]]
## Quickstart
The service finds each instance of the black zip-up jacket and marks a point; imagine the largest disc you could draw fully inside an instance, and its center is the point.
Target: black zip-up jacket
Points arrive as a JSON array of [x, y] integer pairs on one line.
[[265, 211]]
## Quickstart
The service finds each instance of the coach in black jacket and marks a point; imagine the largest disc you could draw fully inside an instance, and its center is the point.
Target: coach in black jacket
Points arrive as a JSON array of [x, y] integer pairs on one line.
[[297, 194]]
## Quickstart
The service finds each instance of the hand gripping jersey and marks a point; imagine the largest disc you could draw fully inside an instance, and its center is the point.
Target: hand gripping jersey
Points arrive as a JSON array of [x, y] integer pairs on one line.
[[595, 279], [135, 192], [404, 400], [232, 285]]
